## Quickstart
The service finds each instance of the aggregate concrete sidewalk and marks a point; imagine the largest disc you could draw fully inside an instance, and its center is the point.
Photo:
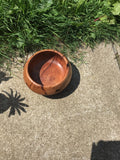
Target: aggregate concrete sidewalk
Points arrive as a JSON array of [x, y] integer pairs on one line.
[[83, 123]]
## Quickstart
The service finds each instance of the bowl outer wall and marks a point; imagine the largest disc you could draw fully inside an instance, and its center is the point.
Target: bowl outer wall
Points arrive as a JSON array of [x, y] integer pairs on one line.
[[47, 90]]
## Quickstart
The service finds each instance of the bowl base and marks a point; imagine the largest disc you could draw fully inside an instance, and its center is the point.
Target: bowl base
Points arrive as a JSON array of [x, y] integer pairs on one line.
[[51, 73]]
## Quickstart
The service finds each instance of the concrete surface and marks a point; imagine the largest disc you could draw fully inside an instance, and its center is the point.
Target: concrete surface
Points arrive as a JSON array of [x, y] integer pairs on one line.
[[82, 123]]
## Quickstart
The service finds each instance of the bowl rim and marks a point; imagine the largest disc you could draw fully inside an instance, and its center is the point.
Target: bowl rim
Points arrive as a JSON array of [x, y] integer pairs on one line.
[[47, 50]]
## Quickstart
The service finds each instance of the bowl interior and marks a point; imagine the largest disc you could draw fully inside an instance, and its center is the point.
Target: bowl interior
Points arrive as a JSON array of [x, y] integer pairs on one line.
[[47, 68]]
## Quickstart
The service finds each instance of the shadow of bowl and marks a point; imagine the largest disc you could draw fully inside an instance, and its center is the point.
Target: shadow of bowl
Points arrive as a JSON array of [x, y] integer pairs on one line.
[[72, 86]]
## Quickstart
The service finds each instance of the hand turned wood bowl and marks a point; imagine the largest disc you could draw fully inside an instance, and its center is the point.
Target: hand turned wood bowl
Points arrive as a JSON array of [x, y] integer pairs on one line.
[[47, 72]]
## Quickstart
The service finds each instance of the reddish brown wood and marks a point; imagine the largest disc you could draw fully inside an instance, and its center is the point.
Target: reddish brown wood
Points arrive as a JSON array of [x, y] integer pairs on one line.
[[47, 72]]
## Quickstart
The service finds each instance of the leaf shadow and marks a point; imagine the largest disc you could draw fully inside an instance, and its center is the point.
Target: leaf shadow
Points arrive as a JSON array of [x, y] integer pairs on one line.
[[3, 77], [13, 102]]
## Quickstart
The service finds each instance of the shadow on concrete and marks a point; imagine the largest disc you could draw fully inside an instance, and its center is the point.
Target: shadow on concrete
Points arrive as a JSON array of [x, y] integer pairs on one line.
[[75, 81], [106, 150], [3, 77], [14, 102]]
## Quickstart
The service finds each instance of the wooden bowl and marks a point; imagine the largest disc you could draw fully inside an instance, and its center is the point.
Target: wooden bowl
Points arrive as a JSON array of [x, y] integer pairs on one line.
[[47, 72]]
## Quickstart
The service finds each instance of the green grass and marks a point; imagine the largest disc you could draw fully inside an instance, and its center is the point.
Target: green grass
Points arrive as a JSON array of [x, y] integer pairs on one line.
[[29, 25]]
